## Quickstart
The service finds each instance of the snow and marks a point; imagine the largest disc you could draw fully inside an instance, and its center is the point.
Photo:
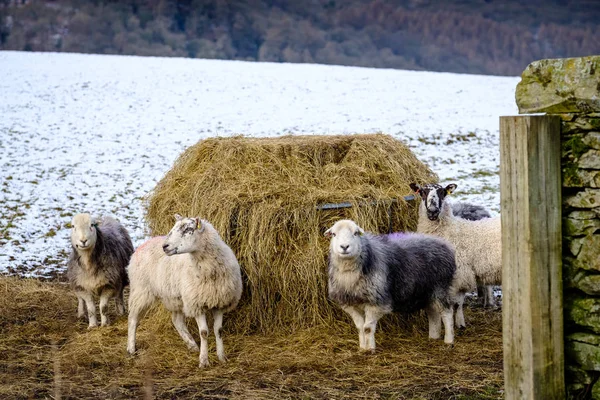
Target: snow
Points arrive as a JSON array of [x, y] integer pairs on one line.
[[95, 133]]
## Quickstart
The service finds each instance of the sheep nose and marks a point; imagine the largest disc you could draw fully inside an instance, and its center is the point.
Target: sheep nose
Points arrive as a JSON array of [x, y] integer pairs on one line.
[[83, 241], [165, 247], [344, 247]]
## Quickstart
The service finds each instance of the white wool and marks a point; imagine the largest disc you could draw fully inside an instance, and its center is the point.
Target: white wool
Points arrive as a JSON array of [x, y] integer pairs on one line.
[[201, 274]]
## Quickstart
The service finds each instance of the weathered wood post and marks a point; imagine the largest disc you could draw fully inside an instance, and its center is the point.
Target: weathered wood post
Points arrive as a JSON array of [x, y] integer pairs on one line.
[[531, 257], [542, 158]]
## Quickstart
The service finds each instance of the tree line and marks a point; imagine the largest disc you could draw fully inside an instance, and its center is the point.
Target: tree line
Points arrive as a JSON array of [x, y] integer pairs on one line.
[[470, 36]]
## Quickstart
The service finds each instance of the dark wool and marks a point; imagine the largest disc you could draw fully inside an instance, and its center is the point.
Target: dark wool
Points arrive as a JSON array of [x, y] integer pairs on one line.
[[110, 256], [470, 211], [420, 271]]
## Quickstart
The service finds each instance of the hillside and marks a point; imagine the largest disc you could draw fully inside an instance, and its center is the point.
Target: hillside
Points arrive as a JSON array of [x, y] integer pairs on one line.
[[91, 132], [469, 36]]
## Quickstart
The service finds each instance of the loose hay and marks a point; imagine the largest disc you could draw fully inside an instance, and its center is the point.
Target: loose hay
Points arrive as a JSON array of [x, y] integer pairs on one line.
[[46, 353], [261, 195]]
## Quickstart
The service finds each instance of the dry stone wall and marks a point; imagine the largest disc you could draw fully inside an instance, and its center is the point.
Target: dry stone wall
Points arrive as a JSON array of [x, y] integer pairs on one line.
[[571, 89]]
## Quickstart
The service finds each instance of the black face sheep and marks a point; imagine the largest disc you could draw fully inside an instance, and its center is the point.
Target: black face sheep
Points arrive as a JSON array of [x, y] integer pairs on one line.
[[474, 212], [101, 252], [478, 244], [372, 275], [192, 271]]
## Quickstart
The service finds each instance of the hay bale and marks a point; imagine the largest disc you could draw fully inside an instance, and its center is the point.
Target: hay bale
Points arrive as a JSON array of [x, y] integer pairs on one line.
[[262, 195]]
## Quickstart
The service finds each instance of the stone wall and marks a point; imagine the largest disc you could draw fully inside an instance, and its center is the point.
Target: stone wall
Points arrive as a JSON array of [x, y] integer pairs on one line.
[[570, 88]]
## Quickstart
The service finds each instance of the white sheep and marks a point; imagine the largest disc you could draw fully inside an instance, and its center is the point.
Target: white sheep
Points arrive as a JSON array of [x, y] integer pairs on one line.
[[478, 244], [473, 212], [192, 271], [372, 275], [100, 253]]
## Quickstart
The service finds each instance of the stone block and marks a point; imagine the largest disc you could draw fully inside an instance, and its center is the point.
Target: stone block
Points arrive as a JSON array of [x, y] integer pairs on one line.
[[588, 198], [585, 312], [556, 86]]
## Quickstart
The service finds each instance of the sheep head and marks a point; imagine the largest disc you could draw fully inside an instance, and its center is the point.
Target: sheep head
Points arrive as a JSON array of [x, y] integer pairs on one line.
[[433, 196], [345, 238], [83, 232], [184, 236]]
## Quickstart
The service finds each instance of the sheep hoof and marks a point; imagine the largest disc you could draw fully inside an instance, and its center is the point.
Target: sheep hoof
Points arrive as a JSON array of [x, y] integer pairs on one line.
[[223, 359], [194, 348], [204, 363], [131, 351], [450, 346], [92, 326]]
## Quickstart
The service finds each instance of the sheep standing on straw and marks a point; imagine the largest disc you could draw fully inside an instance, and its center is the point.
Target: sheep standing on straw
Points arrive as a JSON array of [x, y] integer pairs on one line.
[[373, 275], [478, 243], [191, 271], [473, 212], [101, 252]]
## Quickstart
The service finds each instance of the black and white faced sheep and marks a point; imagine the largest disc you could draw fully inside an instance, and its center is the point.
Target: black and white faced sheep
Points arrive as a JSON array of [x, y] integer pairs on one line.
[[474, 212], [373, 275], [100, 253], [478, 244], [192, 271]]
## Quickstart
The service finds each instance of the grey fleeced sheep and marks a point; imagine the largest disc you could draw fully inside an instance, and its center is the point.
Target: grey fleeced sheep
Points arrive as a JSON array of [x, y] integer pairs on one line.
[[372, 275], [478, 244], [97, 265], [192, 271]]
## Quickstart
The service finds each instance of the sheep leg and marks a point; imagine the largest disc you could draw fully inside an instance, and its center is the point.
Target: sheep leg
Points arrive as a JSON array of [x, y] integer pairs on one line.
[[203, 327], [179, 323], [448, 324], [489, 299], [435, 326], [91, 308], [359, 321], [80, 307], [372, 315], [218, 323], [104, 298], [460, 316], [138, 302], [120, 303]]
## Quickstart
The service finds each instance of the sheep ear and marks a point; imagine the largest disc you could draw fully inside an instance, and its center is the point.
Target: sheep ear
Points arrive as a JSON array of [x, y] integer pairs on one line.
[[361, 231], [327, 233], [199, 224], [178, 217], [94, 222], [450, 188], [416, 188]]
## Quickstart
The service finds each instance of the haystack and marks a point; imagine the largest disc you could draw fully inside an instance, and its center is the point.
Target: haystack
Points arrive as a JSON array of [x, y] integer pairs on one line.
[[263, 196]]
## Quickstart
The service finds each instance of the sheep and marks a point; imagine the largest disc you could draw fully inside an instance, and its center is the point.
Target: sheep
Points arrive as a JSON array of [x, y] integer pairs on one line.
[[473, 212], [100, 253], [478, 244], [372, 275], [192, 271], [469, 211]]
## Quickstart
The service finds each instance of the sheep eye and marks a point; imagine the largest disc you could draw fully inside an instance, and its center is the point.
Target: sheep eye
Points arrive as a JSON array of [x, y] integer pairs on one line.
[[357, 233], [333, 234]]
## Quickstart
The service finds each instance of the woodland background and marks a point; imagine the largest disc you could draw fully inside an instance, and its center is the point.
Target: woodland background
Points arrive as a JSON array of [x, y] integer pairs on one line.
[[469, 36]]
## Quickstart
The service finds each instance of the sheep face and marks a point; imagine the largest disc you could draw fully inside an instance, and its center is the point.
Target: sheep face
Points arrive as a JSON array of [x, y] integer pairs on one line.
[[433, 196], [184, 236], [83, 233], [345, 239]]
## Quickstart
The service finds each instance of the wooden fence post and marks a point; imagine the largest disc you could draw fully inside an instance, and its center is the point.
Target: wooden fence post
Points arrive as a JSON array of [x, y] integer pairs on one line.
[[532, 309]]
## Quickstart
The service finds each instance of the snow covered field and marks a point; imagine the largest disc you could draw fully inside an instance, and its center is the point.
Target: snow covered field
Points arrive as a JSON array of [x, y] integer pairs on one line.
[[95, 133]]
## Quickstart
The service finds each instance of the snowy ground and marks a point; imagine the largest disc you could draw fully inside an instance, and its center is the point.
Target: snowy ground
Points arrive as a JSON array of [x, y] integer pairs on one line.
[[95, 133]]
